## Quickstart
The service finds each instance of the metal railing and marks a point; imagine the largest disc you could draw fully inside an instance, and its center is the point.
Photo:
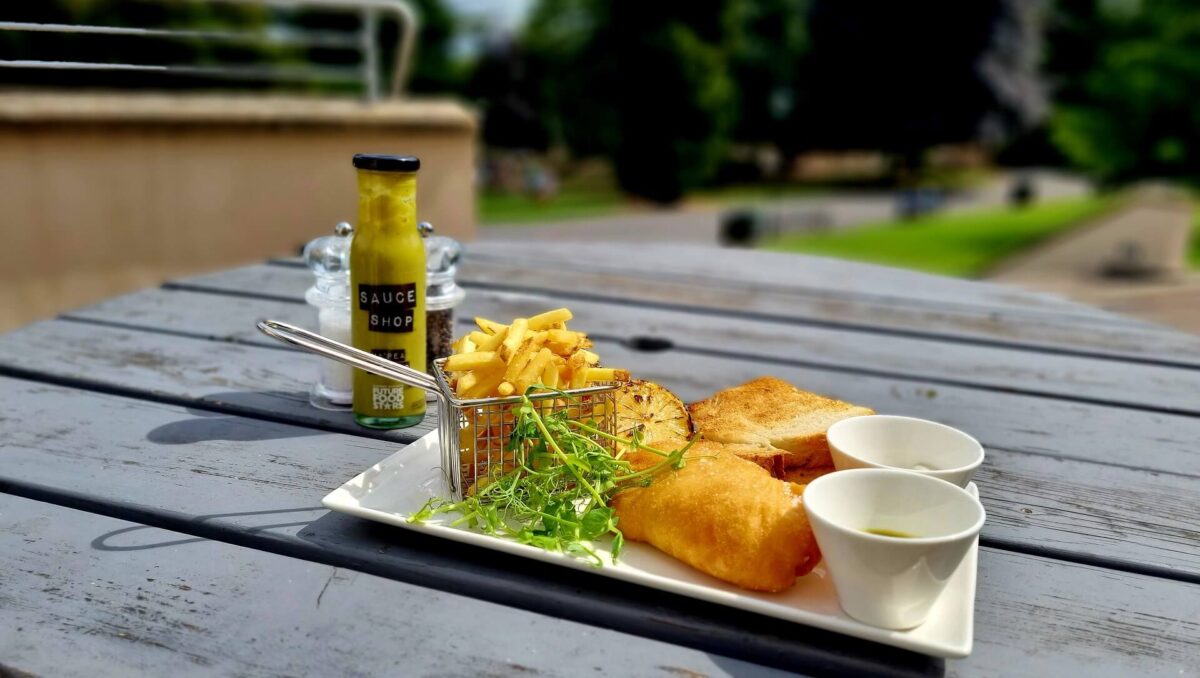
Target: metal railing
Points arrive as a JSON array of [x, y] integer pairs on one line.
[[365, 41]]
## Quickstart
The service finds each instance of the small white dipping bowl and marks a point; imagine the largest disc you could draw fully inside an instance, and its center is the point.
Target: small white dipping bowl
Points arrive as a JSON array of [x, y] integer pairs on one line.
[[887, 581], [884, 441]]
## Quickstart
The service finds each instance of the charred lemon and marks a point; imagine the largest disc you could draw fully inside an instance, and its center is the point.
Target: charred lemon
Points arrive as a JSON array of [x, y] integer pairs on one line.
[[645, 408]]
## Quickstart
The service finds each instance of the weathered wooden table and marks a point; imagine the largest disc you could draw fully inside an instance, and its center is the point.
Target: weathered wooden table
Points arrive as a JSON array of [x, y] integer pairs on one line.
[[161, 472]]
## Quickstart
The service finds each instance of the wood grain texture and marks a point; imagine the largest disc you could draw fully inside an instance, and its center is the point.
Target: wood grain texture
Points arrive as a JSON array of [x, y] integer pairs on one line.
[[1124, 517], [86, 594], [739, 268], [161, 465], [1006, 420], [222, 376], [1141, 531], [1067, 377], [1071, 473], [259, 484], [1048, 332]]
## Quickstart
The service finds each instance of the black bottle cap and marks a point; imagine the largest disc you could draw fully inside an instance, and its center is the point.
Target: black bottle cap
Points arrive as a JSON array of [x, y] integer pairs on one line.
[[379, 162]]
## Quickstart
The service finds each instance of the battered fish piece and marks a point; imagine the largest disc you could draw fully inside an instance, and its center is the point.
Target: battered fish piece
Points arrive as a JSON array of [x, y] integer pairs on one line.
[[804, 476], [724, 516]]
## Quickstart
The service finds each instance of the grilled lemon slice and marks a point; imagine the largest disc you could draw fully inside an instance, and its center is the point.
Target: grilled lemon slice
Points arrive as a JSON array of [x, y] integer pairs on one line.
[[655, 412]]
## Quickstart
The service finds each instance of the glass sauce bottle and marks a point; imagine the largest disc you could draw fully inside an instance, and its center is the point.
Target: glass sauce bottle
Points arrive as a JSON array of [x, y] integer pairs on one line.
[[387, 277]]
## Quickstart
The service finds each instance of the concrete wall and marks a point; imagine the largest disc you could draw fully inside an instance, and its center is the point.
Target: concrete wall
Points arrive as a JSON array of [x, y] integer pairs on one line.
[[101, 195]]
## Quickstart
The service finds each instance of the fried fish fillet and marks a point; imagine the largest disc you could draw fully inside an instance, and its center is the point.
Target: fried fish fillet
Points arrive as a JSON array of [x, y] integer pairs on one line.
[[778, 418], [804, 475], [724, 516]]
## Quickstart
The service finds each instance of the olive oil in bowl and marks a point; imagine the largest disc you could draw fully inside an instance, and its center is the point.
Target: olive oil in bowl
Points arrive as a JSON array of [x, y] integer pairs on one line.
[[889, 533]]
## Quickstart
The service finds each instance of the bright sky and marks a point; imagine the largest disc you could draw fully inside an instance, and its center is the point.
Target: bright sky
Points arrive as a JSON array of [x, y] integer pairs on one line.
[[500, 16]]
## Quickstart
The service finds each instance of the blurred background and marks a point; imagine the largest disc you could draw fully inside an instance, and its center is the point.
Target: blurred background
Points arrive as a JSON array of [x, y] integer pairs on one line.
[[1051, 144]]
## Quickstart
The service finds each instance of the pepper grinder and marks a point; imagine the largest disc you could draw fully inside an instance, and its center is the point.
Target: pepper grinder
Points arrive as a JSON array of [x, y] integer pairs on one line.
[[328, 258], [442, 293]]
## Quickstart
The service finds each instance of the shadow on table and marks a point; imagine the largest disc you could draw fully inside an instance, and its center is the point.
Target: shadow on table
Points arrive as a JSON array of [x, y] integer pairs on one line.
[[725, 633], [208, 425], [102, 542]]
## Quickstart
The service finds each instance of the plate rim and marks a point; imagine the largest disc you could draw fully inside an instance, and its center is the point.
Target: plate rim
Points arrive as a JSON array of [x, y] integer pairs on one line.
[[342, 500]]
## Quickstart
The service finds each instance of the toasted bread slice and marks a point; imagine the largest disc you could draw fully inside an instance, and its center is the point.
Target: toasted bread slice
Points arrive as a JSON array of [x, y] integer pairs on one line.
[[771, 413]]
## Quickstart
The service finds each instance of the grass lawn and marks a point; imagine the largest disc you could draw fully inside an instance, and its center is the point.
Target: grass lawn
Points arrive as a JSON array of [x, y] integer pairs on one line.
[[964, 244], [570, 203], [592, 200], [735, 194], [1194, 255]]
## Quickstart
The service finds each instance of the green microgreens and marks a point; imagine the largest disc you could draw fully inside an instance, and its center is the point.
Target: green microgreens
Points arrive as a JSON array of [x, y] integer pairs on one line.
[[557, 496]]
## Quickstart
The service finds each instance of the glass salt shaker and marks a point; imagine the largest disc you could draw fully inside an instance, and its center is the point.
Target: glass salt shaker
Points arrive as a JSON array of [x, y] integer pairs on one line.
[[442, 293], [328, 258]]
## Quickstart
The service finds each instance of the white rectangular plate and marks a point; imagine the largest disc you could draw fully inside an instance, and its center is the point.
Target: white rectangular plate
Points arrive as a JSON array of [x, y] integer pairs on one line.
[[398, 486]]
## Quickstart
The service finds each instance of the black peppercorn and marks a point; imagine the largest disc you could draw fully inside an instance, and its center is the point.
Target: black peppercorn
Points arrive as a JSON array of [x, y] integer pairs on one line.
[[439, 335]]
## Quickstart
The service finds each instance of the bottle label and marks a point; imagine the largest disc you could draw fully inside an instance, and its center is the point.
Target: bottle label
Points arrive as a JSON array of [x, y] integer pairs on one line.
[[385, 397], [396, 355], [390, 308]]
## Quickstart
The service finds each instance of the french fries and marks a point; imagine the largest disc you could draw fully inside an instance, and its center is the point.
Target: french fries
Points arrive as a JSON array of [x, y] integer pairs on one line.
[[506, 360], [543, 321], [502, 360], [461, 362]]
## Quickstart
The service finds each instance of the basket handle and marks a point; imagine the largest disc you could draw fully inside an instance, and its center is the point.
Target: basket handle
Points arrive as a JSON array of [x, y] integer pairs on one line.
[[315, 343]]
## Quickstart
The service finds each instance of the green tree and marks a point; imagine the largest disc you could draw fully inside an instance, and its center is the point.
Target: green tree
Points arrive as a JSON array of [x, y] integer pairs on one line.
[[770, 45], [646, 84], [567, 47], [901, 77], [434, 68], [1127, 74]]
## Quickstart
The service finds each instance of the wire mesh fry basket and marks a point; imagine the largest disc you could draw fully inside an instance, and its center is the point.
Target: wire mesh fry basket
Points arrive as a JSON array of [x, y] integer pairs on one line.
[[473, 434], [475, 437]]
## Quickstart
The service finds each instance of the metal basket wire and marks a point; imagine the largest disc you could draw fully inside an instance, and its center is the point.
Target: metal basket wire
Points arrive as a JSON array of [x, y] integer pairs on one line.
[[473, 434]]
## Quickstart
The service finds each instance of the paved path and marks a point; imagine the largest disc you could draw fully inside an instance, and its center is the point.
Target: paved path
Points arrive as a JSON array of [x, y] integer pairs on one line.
[[1153, 224], [700, 224]]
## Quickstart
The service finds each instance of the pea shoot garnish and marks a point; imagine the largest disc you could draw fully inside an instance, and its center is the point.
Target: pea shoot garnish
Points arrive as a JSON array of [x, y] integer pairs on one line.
[[556, 497]]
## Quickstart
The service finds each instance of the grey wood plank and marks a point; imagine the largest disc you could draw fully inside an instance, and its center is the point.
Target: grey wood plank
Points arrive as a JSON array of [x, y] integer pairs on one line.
[[1070, 377], [1048, 332], [1046, 522], [90, 595], [256, 484], [256, 380], [1008, 420], [798, 273], [1120, 517], [1044, 332], [1089, 621]]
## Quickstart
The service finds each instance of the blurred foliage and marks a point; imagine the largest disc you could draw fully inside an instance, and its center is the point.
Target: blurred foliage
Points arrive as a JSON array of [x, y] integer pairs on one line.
[[645, 84], [433, 71], [672, 91], [1126, 74], [770, 44], [902, 77], [664, 88], [434, 68]]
